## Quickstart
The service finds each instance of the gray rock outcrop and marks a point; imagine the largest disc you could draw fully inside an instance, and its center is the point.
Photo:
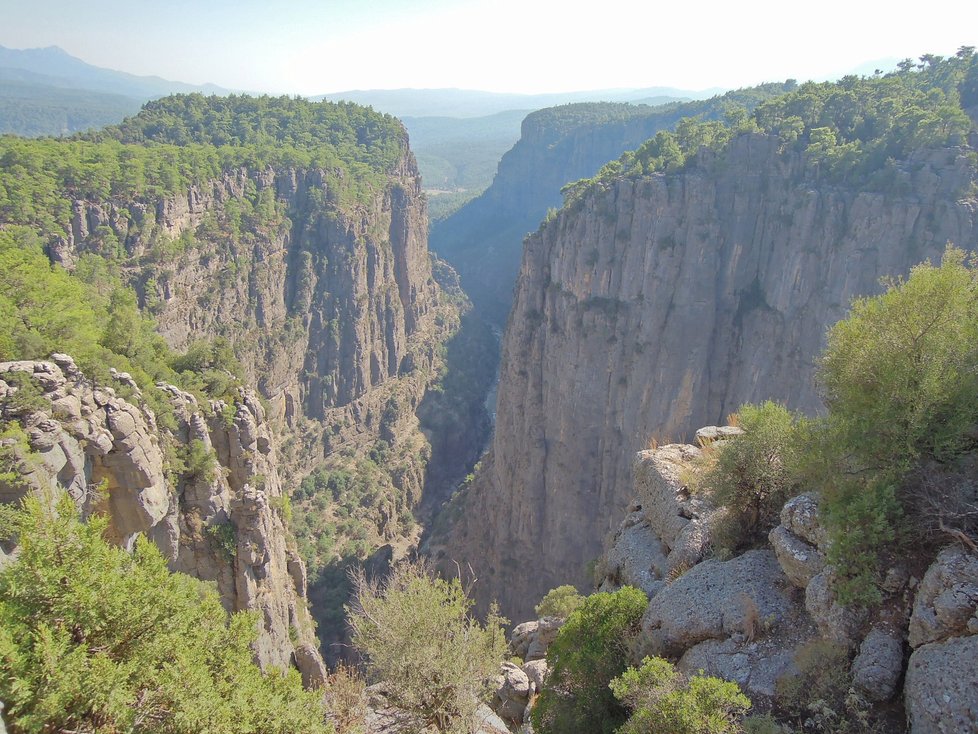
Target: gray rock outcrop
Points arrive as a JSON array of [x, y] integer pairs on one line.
[[530, 640], [941, 688], [877, 668], [947, 598], [660, 304], [221, 523], [512, 695], [744, 597]]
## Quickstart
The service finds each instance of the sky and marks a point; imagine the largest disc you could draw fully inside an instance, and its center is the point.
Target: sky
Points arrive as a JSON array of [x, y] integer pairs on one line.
[[530, 46]]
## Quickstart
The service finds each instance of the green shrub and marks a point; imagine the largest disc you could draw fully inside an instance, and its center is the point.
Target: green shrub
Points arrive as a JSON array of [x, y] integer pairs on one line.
[[590, 650], [200, 462], [815, 698], [95, 639], [900, 377], [900, 372], [560, 602], [416, 634], [26, 398], [664, 701], [751, 475], [225, 534]]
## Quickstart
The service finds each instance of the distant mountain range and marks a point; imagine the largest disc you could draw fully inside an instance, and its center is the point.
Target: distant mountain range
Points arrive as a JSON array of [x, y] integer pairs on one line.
[[47, 91], [473, 103], [54, 67]]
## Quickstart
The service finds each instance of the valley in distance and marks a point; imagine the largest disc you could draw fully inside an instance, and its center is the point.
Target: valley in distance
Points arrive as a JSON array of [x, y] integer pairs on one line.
[[639, 410]]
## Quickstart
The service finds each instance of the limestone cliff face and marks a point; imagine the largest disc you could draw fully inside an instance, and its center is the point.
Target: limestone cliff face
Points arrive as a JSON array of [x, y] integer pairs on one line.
[[558, 145], [319, 296], [656, 305], [219, 518]]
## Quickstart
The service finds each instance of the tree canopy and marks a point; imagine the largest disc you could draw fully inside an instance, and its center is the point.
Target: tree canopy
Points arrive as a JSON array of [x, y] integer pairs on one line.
[[93, 638]]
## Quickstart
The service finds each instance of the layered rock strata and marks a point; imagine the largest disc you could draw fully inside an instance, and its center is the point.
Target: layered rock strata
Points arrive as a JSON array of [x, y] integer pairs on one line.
[[651, 306], [220, 520], [325, 301]]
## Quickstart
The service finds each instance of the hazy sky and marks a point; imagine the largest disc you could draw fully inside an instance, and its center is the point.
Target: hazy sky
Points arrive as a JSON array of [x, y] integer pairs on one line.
[[318, 46]]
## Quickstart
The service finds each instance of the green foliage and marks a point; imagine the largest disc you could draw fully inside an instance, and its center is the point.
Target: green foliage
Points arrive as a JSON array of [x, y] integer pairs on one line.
[[559, 602], [282, 503], [663, 701], [14, 449], [815, 697], [856, 130], [417, 635], [31, 109], [900, 377], [590, 650], [199, 461], [92, 316], [26, 396], [225, 534], [751, 474], [179, 140], [95, 639]]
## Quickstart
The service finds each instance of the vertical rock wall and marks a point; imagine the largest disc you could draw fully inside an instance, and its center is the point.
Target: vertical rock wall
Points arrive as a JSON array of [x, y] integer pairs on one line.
[[656, 305], [220, 520]]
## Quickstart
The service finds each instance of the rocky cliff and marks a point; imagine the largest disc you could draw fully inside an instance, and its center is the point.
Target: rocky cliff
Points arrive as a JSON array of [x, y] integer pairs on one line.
[[320, 301], [295, 232], [769, 616], [205, 488], [656, 304], [484, 239]]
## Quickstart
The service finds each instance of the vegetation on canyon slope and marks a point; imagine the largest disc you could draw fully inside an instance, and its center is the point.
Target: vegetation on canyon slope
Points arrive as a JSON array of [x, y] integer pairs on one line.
[[890, 457], [856, 130], [95, 638]]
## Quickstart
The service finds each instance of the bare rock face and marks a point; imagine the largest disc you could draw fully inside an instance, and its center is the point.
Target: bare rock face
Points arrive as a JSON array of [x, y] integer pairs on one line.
[[800, 540], [835, 621], [655, 305], [947, 599], [220, 523], [715, 600], [941, 688], [329, 305], [530, 640], [636, 558], [878, 666]]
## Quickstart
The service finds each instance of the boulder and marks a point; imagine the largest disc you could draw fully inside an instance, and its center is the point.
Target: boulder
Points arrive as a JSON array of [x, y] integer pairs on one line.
[[536, 671], [941, 688], [800, 561], [746, 596], [947, 598], [708, 434], [487, 722], [801, 517], [636, 557], [835, 622], [878, 666], [754, 666], [513, 690], [662, 492], [311, 666], [530, 640]]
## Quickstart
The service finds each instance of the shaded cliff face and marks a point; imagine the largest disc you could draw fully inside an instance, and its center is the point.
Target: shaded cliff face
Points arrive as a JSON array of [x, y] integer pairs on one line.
[[484, 239], [659, 304], [318, 299], [206, 490]]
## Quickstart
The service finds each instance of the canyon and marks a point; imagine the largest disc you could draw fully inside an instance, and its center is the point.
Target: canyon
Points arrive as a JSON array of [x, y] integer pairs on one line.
[[661, 304]]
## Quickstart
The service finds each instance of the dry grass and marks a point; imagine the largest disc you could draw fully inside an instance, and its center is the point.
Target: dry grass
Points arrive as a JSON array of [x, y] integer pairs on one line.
[[345, 699], [752, 617]]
